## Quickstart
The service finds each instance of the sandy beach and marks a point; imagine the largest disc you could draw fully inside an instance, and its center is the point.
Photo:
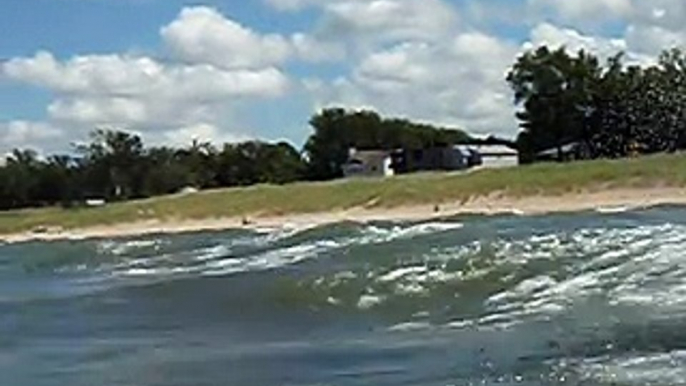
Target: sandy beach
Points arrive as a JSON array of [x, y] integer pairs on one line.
[[604, 201]]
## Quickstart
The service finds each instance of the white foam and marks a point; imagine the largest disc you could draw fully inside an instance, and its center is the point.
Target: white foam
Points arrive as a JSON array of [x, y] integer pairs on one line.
[[367, 302], [378, 234], [400, 273], [612, 209], [460, 324], [269, 260], [119, 248], [410, 289], [657, 369], [410, 327]]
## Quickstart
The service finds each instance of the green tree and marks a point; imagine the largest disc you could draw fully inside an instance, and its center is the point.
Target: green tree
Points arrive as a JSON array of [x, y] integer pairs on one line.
[[337, 130], [20, 179], [556, 93], [113, 163]]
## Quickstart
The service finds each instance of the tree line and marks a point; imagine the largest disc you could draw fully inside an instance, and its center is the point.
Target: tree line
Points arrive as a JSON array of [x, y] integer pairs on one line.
[[116, 165], [605, 109]]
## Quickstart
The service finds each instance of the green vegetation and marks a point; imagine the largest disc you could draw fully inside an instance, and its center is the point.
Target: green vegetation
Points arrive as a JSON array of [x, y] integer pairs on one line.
[[604, 111], [337, 130], [313, 197], [117, 166], [608, 111]]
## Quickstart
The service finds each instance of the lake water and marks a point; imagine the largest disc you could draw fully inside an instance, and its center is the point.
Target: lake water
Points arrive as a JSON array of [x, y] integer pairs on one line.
[[578, 299]]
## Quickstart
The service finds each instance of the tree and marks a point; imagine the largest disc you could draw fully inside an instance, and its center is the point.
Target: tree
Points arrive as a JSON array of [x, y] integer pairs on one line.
[[20, 179], [255, 162], [113, 164], [199, 160], [337, 130], [555, 91]]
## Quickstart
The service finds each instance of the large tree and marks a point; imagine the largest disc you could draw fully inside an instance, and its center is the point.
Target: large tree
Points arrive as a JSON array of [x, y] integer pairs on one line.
[[612, 110], [555, 91], [336, 130]]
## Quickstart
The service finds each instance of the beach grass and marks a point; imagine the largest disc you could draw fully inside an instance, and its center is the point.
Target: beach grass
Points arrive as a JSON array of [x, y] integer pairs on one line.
[[426, 188]]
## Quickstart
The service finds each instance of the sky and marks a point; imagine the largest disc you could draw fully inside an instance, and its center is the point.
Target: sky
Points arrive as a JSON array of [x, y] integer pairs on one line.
[[230, 70]]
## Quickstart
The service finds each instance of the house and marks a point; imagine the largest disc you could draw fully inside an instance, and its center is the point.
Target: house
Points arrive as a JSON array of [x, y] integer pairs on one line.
[[368, 163], [445, 158], [454, 158], [380, 163], [496, 156], [568, 152]]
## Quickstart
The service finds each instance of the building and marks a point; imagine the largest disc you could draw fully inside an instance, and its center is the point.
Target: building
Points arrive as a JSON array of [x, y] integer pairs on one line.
[[496, 156], [569, 152], [369, 163], [380, 163], [445, 158]]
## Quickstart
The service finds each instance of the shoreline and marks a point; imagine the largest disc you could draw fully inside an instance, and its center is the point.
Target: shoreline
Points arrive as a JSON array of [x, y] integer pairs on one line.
[[608, 201]]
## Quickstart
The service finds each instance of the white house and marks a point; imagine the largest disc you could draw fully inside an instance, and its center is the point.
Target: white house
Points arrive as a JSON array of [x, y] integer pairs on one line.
[[497, 156], [368, 163]]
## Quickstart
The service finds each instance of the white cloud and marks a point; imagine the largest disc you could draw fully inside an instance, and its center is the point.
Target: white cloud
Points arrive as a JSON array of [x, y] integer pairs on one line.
[[386, 20], [140, 93], [429, 60], [27, 134], [124, 76], [459, 82], [554, 37], [165, 101], [645, 52], [202, 132], [310, 49], [650, 26], [667, 14], [652, 39], [292, 5], [584, 10], [203, 35]]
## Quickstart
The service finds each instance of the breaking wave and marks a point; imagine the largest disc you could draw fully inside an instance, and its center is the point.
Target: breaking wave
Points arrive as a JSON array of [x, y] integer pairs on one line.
[[590, 298]]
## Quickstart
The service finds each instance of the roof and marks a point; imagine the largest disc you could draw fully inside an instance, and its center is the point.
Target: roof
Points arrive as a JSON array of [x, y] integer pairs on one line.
[[367, 156], [565, 149], [495, 150]]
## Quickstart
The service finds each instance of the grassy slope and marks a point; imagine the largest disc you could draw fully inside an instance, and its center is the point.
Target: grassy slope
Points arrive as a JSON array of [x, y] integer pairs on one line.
[[548, 179]]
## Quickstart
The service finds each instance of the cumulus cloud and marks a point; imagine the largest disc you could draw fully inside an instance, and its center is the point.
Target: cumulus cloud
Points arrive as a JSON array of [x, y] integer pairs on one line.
[[220, 63], [553, 36], [124, 76], [458, 82], [583, 12], [203, 35], [27, 134], [198, 132], [388, 19], [139, 92], [650, 26], [652, 39], [292, 5], [311, 49], [462, 82], [430, 60]]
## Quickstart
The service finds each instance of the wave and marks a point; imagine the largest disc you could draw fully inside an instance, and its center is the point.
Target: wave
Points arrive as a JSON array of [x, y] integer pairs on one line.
[[452, 271], [567, 299]]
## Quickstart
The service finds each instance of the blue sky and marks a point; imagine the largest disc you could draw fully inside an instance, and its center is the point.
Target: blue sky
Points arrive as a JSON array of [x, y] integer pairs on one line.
[[226, 70]]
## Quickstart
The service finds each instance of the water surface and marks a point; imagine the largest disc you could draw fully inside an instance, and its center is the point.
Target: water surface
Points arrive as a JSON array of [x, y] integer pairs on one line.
[[581, 299]]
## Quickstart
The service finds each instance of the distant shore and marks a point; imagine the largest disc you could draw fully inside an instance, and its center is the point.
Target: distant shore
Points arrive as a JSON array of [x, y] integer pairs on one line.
[[608, 201]]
